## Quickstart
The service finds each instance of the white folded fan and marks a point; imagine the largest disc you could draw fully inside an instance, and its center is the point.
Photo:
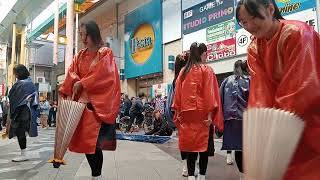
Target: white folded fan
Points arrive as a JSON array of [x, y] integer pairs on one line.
[[270, 138]]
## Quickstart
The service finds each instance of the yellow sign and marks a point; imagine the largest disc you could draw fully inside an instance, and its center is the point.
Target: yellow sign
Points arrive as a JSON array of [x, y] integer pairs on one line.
[[142, 43], [283, 1]]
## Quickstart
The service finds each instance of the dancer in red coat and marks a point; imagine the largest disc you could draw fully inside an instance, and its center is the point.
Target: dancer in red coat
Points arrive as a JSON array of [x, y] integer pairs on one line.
[[196, 104], [285, 74]]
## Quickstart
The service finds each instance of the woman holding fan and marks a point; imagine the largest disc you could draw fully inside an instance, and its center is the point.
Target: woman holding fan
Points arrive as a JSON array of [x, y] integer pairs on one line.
[[284, 65], [93, 79]]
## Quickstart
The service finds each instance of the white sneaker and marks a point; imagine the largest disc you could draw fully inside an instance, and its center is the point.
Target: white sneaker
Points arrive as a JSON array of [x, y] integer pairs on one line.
[[191, 178], [22, 157], [101, 177], [201, 177], [229, 159], [184, 169]]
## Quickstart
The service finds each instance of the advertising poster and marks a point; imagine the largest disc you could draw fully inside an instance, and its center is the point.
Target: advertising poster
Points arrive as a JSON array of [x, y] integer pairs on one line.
[[160, 89], [3, 56], [143, 40], [222, 49], [287, 7], [221, 31], [206, 14]]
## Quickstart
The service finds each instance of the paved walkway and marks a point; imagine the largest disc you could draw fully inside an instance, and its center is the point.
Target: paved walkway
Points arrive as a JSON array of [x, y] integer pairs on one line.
[[131, 161]]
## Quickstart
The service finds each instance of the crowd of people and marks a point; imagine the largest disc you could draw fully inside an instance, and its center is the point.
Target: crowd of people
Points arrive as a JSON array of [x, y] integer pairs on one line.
[[283, 73]]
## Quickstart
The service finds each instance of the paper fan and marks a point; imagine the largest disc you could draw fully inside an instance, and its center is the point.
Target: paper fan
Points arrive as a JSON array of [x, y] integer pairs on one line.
[[270, 138], [68, 116]]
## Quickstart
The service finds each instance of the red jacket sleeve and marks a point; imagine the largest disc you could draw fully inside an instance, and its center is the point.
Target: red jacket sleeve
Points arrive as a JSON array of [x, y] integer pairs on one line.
[[217, 116]]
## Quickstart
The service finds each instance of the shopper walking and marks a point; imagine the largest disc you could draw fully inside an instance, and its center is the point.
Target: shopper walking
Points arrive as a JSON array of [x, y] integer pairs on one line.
[[24, 101], [93, 77], [197, 105], [283, 59]]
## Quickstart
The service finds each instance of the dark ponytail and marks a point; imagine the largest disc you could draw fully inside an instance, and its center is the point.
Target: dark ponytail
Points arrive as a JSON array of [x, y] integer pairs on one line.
[[253, 6], [194, 58]]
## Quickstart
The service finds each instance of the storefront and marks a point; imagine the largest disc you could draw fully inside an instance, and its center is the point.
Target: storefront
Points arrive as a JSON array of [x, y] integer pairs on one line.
[[143, 47]]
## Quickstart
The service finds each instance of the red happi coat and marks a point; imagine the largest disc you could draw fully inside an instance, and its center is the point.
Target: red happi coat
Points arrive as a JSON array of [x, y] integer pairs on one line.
[[285, 74], [195, 96], [101, 87]]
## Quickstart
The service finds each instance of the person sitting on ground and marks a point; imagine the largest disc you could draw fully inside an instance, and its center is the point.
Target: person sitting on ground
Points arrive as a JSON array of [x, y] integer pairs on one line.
[[160, 125]]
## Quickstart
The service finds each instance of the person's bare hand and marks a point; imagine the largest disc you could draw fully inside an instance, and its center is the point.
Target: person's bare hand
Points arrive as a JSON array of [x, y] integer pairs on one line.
[[208, 122], [76, 87]]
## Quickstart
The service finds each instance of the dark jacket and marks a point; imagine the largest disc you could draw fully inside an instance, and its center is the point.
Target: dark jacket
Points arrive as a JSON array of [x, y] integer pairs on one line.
[[127, 106], [234, 92], [137, 107], [23, 93]]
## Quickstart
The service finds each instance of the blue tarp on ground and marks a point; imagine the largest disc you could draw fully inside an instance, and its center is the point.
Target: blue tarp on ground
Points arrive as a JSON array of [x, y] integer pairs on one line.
[[143, 138]]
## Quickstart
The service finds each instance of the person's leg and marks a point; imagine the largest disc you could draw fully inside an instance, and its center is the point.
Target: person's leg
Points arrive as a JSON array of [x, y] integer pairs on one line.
[[184, 156], [203, 163], [238, 157], [191, 162], [130, 122], [95, 161], [229, 158], [22, 140]]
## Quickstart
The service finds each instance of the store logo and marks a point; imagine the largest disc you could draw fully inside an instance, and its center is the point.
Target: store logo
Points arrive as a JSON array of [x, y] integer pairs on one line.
[[289, 7], [243, 40], [142, 43]]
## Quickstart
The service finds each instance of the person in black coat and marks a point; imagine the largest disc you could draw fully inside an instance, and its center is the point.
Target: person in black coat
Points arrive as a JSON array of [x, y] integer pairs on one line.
[[160, 125], [136, 112]]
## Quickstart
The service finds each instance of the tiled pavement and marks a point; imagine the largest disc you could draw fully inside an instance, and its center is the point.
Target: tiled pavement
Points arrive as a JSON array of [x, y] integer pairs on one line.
[[131, 161]]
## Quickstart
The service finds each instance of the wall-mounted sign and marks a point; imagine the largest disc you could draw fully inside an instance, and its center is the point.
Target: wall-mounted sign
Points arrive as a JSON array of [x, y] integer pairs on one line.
[[287, 7], [222, 49], [143, 40], [142, 43], [206, 14], [221, 31]]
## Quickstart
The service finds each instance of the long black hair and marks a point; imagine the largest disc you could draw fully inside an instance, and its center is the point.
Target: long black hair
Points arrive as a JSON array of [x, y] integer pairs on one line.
[[194, 58], [253, 6], [93, 31], [21, 72], [238, 69]]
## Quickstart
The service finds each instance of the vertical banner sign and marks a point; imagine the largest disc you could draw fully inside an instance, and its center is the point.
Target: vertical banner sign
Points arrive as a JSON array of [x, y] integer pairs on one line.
[[206, 14], [3, 56]]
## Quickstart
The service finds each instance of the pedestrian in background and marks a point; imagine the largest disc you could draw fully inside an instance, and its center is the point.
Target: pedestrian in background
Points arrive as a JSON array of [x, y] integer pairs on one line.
[[136, 112], [52, 113], [24, 101], [197, 105], [234, 93], [45, 109]]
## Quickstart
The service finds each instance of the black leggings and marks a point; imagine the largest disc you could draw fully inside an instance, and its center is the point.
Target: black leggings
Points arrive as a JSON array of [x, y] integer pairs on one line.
[[22, 139], [238, 157], [95, 161], [191, 162]]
